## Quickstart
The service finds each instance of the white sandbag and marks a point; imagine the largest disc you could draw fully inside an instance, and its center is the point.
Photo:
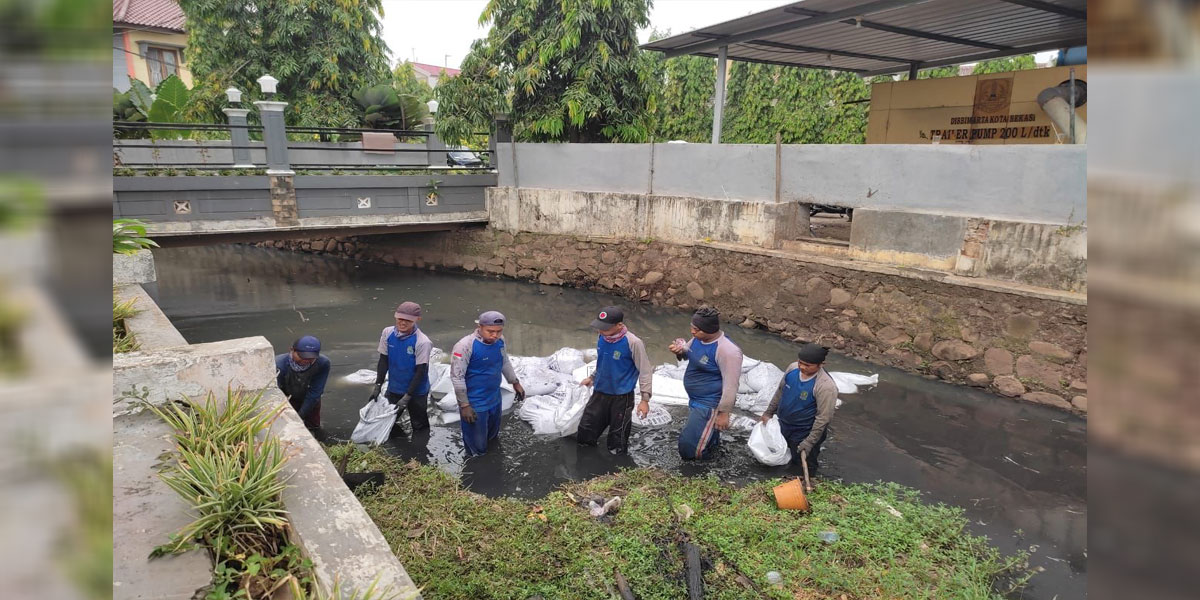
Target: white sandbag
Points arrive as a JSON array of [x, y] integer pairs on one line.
[[566, 360], [539, 412], [756, 402], [590, 354], [768, 445], [744, 387], [538, 380], [439, 380], [741, 424], [847, 383], [657, 417], [669, 391], [582, 372], [672, 371], [375, 421], [749, 363], [449, 418], [361, 376], [568, 414], [437, 356], [449, 402], [762, 376]]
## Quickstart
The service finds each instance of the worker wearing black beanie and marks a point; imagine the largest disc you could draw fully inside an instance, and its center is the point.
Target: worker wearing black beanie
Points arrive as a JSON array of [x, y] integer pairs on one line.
[[711, 381], [804, 403]]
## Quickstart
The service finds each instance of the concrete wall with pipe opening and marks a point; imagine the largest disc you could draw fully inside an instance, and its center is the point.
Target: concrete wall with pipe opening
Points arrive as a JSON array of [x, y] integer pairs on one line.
[[1040, 184]]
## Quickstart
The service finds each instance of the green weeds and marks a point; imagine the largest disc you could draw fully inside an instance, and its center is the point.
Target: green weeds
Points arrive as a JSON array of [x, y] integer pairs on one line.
[[456, 544]]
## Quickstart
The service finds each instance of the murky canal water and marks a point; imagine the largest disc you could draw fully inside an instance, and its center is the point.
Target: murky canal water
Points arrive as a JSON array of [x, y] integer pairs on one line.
[[1018, 470]]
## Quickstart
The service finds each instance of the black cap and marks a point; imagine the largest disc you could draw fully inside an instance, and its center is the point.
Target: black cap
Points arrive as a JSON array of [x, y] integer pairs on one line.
[[608, 316]]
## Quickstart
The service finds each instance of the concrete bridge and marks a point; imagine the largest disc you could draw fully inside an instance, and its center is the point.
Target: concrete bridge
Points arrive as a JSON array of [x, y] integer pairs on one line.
[[182, 210]]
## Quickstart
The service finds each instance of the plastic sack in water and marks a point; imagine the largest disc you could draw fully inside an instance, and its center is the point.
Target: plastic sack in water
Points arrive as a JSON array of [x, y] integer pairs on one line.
[[657, 417], [763, 376], [539, 411], [439, 379], [375, 421], [768, 445], [566, 360], [568, 414], [847, 383], [361, 376]]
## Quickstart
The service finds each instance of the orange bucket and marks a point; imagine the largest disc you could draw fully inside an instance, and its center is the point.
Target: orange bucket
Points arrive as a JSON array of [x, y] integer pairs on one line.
[[790, 496]]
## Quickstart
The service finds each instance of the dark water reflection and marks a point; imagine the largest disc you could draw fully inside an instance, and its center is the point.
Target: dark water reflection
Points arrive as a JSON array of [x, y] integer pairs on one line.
[[1012, 467]]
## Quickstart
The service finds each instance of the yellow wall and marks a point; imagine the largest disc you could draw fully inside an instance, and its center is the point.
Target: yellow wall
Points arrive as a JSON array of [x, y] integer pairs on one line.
[[912, 112], [167, 40]]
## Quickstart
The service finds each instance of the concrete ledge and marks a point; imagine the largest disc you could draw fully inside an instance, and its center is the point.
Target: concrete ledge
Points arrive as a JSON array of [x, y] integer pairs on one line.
[[134, 268], [345, 545], [150, 326], [145, 513], [268, 224], [191, 371]]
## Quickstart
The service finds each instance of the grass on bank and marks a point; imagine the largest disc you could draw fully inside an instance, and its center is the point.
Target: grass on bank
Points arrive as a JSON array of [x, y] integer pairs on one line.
[[457, 544], [229, 469], [123, 340]]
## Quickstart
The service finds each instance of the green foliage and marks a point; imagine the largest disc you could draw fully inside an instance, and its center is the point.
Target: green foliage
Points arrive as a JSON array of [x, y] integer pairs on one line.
[[806, 106], [685, 101], [123, 340], [168, 107], [319, 50], [87, 552], [129, 236], [383, 108], [405, 80], [564, 70], [456, 544], [22, 203]]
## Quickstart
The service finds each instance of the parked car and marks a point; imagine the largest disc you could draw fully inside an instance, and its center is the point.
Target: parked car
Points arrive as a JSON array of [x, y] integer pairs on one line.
[[463, 158]]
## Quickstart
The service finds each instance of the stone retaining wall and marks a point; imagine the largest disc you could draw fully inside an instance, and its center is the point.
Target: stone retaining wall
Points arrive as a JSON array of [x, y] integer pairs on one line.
[[1018, 345]]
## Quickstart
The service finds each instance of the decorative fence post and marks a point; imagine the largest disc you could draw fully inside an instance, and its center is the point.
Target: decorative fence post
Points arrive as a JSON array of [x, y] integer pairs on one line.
[[279, 170], [239, 137]]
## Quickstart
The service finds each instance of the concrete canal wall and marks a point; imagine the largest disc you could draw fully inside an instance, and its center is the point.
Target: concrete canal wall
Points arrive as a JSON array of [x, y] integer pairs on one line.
[[1016, 340]]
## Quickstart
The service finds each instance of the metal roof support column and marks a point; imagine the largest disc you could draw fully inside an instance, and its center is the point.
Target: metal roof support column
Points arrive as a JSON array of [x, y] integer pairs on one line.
[[719, 95]]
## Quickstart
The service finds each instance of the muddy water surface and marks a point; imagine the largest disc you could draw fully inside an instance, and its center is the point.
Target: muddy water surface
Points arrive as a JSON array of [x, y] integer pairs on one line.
[[1018, 470]]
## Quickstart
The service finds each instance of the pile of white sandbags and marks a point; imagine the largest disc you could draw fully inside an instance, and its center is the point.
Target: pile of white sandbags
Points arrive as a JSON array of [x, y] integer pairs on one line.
[[554, 399]]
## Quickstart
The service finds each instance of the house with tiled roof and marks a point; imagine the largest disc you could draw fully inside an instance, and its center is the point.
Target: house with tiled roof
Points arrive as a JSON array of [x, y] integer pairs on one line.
[[149, 42], [431, 73]]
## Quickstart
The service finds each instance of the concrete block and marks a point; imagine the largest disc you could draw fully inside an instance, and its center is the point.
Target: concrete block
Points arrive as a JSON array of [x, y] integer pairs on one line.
[[134, 268], [192, 371], [150, 327], [145, 513], [329, 522], [907, 238]]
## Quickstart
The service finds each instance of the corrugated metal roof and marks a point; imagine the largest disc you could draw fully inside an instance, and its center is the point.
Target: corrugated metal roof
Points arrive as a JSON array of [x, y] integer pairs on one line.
[[872, 37], [161, 14]]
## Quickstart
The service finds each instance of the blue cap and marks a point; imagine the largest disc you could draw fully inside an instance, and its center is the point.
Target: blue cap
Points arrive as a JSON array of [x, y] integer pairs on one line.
[[491, 317], [307, 347]]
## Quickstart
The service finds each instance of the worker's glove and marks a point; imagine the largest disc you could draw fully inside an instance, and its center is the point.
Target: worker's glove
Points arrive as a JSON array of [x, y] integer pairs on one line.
[[375, 391], [467, 413], [520, 392]]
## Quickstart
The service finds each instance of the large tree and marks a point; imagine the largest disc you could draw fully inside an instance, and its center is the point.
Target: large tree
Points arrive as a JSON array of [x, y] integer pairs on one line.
[[321, 51], [806, 106], [564, 70], [685, 99]]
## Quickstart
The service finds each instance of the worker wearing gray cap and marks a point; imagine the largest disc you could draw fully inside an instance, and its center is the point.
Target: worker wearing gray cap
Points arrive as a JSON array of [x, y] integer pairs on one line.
[[476, 365], [404, 359]]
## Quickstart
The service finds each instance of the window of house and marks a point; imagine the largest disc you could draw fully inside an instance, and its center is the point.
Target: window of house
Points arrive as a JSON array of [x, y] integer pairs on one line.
[[162, 63]]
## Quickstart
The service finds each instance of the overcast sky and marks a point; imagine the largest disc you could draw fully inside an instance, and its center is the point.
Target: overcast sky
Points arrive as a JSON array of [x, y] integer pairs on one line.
[[440, 32]]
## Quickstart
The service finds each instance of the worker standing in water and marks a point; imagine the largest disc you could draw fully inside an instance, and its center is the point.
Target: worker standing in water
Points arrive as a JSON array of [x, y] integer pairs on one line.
[[805, 402], [404, 359], [621, 364], [301, 374], [711, 382], [476, 365]]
